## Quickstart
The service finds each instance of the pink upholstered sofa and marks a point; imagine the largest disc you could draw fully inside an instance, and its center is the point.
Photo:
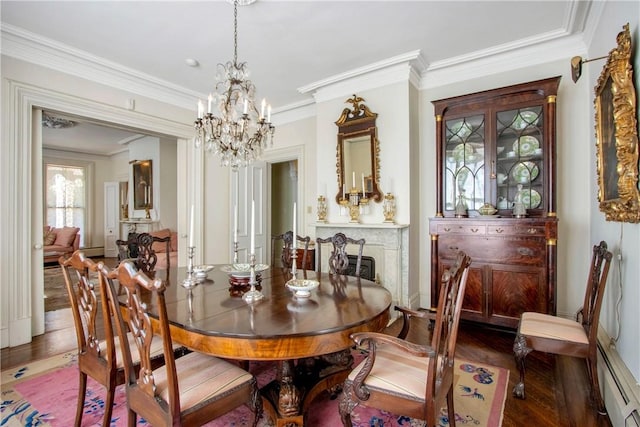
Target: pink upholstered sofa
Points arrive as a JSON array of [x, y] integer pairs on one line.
[[159, 248], [59, 241]]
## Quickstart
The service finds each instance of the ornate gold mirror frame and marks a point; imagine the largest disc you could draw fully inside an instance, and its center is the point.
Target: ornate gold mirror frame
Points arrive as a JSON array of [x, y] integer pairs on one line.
[[617, 135], [358, 152]]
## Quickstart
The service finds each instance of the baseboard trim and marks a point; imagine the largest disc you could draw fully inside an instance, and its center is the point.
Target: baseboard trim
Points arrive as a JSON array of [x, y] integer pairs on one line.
[[94, 252], [620, 390]]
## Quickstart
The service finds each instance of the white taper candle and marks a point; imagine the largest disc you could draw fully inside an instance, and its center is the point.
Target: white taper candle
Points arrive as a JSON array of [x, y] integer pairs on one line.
[[295, 232], [253, 229], [191, 228]]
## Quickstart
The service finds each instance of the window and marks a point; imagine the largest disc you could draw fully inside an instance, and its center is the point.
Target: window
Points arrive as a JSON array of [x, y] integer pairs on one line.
[[65, 197]]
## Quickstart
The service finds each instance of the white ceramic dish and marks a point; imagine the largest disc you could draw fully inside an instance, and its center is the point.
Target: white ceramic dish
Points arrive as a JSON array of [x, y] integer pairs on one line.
[[531, 198], [525, 172], [302, 287], [526, 118], [243, 270], [526, 145], [462, 151]]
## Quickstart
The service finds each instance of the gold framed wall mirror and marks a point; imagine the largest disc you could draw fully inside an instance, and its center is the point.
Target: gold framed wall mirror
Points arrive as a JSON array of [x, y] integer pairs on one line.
[[142, 184], [358, 152]]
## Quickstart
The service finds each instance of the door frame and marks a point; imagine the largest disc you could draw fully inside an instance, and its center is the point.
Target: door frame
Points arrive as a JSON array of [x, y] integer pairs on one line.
[[21, 246]]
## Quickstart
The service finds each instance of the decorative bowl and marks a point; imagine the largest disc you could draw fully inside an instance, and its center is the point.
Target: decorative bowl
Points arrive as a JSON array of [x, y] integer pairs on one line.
[[487, 209], [243, 270], [201, 271], [302, 287]]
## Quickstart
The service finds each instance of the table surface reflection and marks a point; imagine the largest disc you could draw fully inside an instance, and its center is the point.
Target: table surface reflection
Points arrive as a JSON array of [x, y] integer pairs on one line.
[[208, 318]]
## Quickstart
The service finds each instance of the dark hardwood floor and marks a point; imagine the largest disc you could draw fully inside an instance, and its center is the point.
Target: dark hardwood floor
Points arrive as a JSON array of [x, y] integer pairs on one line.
[[557, 387]]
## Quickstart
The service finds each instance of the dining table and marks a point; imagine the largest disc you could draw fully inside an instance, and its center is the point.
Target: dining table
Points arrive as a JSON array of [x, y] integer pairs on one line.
[[308, 337]]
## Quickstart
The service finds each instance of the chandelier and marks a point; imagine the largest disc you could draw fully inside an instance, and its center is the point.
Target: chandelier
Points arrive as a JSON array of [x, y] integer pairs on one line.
[[239, 134]]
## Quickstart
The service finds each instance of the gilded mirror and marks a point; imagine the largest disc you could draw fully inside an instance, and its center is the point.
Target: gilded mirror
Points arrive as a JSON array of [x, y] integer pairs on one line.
[[142, 185], [358, 152]]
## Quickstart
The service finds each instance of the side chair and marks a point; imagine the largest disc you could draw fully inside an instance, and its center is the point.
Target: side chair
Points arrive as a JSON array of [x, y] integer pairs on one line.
[[287, 249], [191, 390], [339, 259], [576, 338], [98, 355], [148, 247], [405, 378]]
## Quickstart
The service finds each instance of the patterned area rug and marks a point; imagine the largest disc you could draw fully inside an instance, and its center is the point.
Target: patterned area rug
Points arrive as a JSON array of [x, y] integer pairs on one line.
[[44, 393]]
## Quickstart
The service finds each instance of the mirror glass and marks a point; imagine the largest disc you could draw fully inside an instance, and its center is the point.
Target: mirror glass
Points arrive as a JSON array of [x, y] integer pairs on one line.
[[142, 185], [358, 152]]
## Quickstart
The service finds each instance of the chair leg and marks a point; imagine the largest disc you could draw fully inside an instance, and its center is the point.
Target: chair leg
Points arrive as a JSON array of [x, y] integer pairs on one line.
[[346, 405], [451, 409], [596, 396], [82, 392], [108, 406], [132, 418], [520, 351]]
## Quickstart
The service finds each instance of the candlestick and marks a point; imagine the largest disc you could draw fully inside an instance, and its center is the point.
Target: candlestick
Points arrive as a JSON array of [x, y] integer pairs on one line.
[[353, 180], [253, 234], [295, 243], [191, 228]]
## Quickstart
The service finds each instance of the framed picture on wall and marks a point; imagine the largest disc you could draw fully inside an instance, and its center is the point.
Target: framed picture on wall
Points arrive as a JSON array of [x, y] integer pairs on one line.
[[142, 184], [617, 135]]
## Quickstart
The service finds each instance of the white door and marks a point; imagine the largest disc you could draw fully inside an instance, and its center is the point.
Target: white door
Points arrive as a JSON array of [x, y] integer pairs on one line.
[[111, 218], [247, 185]]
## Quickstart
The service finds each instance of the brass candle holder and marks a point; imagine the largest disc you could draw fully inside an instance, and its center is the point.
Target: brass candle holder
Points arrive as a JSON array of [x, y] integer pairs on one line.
[[322, 209], [389, 207]]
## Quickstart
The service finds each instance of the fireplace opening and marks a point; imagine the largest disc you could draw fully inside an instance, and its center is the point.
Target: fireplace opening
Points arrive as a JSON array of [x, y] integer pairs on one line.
[[367, 267]]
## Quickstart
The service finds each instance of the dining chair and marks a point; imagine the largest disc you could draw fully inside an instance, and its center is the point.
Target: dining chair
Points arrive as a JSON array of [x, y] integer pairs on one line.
[[286, 249], [339, 259], [127, 248], [191, 390], [405, 378], [568, 337], [98, 356], [148, 248]]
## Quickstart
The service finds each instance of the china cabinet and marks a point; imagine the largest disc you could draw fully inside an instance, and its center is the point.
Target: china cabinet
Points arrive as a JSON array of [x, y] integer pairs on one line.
[[497, 149]]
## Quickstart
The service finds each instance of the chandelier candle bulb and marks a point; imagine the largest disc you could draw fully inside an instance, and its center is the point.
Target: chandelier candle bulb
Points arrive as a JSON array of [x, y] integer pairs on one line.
[[269, 114], [246, 106], [209, 102], [264, 104]]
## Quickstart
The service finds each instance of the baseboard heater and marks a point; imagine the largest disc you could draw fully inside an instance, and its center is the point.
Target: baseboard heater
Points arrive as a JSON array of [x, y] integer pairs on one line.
[[620, 390]]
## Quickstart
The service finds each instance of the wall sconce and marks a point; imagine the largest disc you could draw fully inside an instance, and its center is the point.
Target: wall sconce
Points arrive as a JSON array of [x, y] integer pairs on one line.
[[576, 66]]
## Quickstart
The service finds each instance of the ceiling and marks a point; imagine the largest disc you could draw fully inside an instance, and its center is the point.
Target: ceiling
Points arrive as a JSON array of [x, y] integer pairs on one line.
[[288, 45]]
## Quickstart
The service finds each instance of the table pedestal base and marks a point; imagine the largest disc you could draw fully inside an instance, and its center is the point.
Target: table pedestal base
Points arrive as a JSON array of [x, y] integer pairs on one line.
[[289, 396]]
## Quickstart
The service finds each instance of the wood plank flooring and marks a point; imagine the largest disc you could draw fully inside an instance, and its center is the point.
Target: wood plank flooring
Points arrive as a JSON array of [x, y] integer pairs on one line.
[[557, 387]]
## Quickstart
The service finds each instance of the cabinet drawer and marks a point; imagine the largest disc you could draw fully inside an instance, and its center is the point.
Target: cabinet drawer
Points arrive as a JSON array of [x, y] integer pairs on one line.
[[473, 229], [501, 251], [516, 230]]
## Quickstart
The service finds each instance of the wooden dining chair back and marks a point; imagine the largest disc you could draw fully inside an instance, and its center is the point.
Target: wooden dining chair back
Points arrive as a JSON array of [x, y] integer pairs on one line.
[[148, 248], [188, 391], [339, 258], [127, 248], [94, 333], [285, 251], [409, 379], [568, 337]]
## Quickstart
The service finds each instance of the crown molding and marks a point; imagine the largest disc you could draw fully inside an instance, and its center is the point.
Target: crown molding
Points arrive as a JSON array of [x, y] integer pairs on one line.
[[26, 46]]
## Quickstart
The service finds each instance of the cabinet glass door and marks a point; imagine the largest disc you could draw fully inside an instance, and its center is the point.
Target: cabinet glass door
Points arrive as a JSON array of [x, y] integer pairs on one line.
[[519, 155], [464, 162]]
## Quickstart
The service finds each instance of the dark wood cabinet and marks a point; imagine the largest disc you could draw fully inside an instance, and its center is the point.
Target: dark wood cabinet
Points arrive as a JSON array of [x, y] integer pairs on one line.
[[497, 147]]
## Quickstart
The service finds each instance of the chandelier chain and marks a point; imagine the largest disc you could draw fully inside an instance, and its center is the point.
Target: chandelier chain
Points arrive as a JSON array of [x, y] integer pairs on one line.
[[239, 133]]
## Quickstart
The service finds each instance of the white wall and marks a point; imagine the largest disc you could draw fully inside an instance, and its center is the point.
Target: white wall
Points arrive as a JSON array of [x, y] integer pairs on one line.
[[620, 308]]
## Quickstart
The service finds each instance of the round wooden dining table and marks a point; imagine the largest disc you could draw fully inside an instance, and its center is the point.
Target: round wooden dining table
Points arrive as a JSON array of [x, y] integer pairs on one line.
[[309, 337]]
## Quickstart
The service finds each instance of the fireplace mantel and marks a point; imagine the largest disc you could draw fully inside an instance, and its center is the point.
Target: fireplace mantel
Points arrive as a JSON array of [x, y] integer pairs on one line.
[[388, 244]]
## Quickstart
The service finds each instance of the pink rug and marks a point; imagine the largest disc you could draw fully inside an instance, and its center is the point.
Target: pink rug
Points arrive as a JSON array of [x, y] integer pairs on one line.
[[44, 393]]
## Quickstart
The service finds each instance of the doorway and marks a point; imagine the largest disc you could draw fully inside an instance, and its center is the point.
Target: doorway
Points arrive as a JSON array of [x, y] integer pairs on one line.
[[284, 193]]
